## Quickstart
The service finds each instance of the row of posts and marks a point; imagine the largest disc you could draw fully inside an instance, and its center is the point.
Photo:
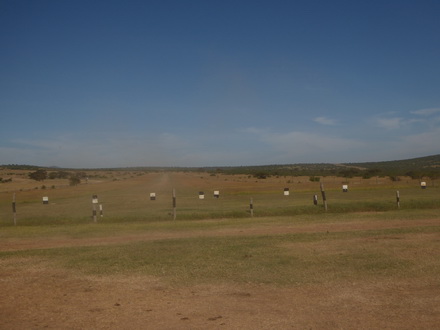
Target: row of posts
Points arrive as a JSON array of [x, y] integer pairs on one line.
[[201, 196]]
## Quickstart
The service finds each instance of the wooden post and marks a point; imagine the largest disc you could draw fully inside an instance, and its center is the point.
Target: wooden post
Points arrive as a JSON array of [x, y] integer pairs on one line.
[[101, 213], [323, 196], [398, 199], [94, 202], [174, 204], [315, 199], [251, 207], [14, 210]]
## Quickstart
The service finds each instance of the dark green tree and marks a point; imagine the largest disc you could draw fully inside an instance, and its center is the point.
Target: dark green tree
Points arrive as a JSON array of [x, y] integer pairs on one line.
[[261, 175], [38, 175], [74, 180], [59, 175]]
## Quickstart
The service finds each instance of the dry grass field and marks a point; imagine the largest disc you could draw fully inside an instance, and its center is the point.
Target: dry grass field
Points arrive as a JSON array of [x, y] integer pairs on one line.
[[363, 264]]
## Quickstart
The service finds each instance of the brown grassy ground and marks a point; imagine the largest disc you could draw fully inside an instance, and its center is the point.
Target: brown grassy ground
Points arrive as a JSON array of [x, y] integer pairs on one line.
[[35, 295]]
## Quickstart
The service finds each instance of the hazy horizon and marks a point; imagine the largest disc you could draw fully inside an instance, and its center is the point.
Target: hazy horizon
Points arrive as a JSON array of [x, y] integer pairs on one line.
[[195, 167]]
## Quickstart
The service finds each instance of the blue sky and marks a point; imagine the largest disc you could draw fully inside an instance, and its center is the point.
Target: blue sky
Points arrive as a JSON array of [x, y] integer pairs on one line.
[[214, 83]]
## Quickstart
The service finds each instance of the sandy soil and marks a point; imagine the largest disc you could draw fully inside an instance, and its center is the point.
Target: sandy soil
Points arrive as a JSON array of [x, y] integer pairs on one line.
[[58, 300], [35, 296]]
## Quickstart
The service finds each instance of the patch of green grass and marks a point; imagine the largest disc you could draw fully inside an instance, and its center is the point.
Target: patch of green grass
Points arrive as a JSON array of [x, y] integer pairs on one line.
[[274, 259], [116, 227], [126, 202]]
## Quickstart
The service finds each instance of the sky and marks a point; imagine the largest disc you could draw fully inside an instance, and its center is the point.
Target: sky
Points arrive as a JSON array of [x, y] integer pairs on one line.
[[112, 83]]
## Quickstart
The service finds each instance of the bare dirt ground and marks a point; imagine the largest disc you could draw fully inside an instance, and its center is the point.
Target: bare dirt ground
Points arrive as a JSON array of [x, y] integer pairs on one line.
[[58, 300], [34, 296]]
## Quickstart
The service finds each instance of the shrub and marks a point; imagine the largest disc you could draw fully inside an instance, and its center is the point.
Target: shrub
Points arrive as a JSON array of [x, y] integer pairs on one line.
[[74, 180], [261, 175], [38, 175]]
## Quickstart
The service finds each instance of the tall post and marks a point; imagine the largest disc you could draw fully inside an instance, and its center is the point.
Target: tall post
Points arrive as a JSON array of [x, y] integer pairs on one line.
[[94, 203], [14, 210], [251, 207], [324, 199], [398, 199], [174, 204]]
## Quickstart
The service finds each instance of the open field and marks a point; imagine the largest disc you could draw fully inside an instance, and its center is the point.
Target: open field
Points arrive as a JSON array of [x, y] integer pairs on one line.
[[125, 197], [364, 264]]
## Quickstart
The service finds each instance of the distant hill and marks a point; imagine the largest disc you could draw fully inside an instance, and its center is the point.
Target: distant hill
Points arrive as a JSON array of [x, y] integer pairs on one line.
[[428, 166], [421, 164]]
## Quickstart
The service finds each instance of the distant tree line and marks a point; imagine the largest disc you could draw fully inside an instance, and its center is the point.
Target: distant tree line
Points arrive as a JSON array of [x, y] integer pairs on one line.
[[20, 167], [417, 168], [73, 177]]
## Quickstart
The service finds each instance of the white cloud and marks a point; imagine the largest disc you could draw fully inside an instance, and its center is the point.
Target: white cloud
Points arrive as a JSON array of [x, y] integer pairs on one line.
[[390, 123], [253, 130], [426, 112], [325, 121]]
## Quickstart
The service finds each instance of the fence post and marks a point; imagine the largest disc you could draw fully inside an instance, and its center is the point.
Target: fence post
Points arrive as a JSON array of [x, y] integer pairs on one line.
[[14, 210], [94, 202], [323, 196], [174, 204]]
